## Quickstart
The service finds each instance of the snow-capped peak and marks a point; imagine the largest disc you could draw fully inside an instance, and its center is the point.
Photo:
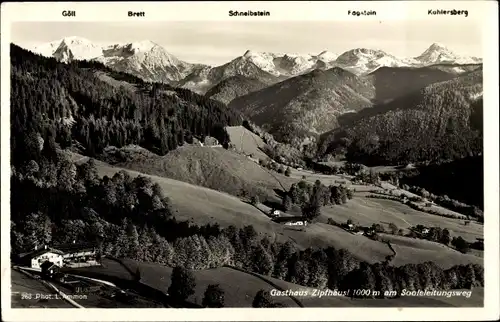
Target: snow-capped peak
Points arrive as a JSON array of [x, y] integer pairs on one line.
[[75, 40], [327, 56], [78, 48], [438, 53], [145, 58], [248, 53], [363, 60], [46, 49], [262, 60], [144, 45]]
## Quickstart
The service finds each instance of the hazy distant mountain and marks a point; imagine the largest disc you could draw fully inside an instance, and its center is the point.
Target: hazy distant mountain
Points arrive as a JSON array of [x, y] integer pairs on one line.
[[438, 53], [147, 60], [144, 59], [362, 60], [255, 66], [267, 68], [69, 49], [306, 105], [152, 62], [456, 69], [392, 82], [234, 86]]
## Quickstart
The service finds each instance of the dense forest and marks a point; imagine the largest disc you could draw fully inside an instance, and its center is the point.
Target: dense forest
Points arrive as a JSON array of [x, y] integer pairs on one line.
[[73, 105], [439, 123]]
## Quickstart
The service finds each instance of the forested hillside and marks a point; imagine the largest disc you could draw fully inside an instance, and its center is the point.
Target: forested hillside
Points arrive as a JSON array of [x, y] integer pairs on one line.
[[454, 179], [72, 105], [440, 122], [306, 105], [233, 87], [391, 82]]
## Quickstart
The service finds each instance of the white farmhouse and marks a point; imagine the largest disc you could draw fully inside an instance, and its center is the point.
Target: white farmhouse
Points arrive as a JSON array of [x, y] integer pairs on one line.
[[36, 258], [297, 223]]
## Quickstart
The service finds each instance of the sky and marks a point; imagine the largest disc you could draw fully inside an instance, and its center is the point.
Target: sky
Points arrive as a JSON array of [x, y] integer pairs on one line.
[[215, 43]]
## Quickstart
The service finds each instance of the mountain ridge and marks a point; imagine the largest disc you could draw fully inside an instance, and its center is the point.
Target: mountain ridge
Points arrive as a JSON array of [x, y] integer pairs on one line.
[[306, 104], [152, 62], [441, 121]]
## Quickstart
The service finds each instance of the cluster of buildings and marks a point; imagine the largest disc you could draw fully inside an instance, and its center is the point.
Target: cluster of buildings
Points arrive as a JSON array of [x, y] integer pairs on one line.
[[287, 220], [67, 255], [359, 230]]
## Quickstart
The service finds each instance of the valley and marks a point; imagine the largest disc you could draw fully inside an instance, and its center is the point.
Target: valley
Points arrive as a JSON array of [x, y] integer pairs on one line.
[[221, 178], [207, 206]]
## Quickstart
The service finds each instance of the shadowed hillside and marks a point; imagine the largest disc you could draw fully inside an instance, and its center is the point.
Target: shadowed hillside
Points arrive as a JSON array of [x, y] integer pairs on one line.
[[392, 82], [305, 105], [437, 123], [233, 87]]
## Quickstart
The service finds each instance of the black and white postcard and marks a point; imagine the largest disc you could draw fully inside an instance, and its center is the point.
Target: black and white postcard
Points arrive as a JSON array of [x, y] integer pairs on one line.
[[231, 161]]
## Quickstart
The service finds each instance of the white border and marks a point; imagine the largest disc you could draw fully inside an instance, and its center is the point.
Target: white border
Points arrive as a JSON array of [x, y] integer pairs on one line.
[[486, 12]]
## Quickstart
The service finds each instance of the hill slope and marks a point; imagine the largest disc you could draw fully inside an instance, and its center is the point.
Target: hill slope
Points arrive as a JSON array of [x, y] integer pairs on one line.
[[240, 288], [214, 168], [202, 205], [89, 105], [391, 82], [305, 105], [442, 121], [233, 87], [246, 142]]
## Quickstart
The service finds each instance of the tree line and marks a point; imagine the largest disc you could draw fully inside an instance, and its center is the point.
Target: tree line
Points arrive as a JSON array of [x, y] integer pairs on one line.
[[441, 122], [72, 105], [183, 283], [311, 197]]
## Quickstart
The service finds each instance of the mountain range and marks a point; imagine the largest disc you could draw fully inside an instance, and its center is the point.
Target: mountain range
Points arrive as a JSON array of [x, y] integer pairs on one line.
[[299, 98], [299, 108], [307, 104], [152, 62]]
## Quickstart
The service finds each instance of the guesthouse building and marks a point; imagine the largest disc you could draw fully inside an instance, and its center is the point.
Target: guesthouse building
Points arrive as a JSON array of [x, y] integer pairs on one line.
[[37, 257]]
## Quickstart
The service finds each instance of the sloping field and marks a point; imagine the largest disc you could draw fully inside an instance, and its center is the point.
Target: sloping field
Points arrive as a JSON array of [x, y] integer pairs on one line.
[[246, 142], [311, 176], [239, 287], [214, 168], [323, 235], [367, 211], [414, 250], [445, 258], [201, 205], [408, 250]]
